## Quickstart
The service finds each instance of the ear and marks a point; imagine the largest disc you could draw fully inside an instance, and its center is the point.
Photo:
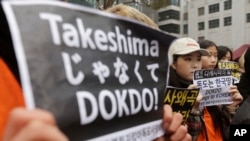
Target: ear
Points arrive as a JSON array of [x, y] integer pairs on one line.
[[173, 66]]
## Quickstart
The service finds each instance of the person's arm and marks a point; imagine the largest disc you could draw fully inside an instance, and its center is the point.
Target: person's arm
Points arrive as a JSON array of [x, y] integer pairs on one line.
[[32, 125]]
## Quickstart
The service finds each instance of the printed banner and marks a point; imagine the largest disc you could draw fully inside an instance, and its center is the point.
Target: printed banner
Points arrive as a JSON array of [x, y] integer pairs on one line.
[[214, 86], [102, 76], [234, 66], [182, 100]]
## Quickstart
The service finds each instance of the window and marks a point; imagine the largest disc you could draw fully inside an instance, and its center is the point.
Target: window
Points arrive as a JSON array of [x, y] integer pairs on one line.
[[171, 28], [228, 4], [175, 2], [185, 29], [248, 17], [214, 23], [227, 21], [214, 8], [185, 16], [201, 26], [170, 14], [201, 38], [201, 11]]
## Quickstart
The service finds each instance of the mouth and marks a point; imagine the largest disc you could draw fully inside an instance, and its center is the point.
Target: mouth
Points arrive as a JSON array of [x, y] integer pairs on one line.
[[212, 66]]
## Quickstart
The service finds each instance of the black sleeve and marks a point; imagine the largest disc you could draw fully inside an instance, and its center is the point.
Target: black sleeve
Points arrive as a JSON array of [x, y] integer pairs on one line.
[[6, 46]]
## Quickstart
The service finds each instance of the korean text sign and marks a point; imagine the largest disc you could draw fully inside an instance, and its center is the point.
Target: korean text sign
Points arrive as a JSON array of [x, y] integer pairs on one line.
[[214, 86], [101, 75], [234, 66], [181, 100]]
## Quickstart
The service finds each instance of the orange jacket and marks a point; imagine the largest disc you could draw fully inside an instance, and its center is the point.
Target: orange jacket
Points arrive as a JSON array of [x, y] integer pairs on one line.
[[10, 94], [211, 132]]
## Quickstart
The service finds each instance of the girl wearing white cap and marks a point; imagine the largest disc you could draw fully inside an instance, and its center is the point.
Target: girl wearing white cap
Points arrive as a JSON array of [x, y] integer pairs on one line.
[[184, 58]]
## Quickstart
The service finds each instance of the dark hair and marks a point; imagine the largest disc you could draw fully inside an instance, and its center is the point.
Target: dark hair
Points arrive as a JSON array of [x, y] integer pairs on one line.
[[175, 57], [206, 43], [222, 51], [218, 117]]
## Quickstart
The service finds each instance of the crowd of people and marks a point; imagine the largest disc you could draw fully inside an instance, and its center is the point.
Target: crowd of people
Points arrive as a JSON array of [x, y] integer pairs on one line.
[[185, 56]]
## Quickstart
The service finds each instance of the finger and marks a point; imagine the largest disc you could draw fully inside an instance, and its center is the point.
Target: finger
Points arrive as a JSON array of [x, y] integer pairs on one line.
[[160, 139], [188, 137], [180, 133], [233, 87], [19, 117], [38, 130], [237, 97], [175, 123], [168, 113], [192, 86], [233, 91]]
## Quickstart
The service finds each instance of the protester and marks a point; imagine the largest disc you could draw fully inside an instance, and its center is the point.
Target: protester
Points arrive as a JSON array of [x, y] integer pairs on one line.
[[225, 54], [243, 85], [242, 115], [241, 62], [217, 117], [185, 58], [210, 61], [132, 13]]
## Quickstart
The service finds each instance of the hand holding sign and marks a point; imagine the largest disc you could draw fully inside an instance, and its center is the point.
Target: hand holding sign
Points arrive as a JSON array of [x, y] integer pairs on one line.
[[40, 125], [196, 107], [90, 69], [214, 85], [181, 100], [236, 98], [26, 125], [172, 124]]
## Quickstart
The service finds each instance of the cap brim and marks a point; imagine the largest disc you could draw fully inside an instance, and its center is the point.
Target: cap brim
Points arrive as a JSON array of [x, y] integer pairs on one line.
[[202, 51]]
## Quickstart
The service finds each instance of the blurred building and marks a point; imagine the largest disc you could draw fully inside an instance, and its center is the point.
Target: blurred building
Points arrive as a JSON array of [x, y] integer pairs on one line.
[[90, 3], [173, 18], [142, 6], [226, 22], [138, 4]]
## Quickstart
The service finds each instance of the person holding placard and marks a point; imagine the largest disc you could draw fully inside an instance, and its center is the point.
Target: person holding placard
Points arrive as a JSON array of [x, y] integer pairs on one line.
[[243, 85], [217, 117], [225, 54], [242, 116], [225, 61], [185, 58]]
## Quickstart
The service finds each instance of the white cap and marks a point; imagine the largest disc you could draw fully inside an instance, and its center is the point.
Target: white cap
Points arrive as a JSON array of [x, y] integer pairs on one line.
[[183, 46]]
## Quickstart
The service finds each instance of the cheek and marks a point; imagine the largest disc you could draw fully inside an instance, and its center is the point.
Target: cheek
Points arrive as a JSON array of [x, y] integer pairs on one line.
[[199, 65], [204, 61], [186, 75]]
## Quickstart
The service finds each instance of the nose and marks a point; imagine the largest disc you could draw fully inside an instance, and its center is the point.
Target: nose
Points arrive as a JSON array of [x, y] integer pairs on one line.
[[195, 65], [213, 58]]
